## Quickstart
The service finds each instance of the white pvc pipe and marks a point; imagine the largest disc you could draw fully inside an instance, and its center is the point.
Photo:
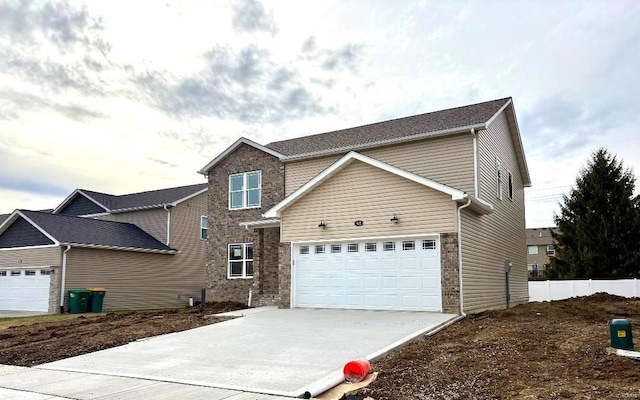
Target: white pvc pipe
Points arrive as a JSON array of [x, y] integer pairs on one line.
[[460, 256], [63, 277], [250, 296]]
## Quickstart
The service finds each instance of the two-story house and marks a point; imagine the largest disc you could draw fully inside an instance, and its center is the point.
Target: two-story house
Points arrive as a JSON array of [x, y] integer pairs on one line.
[[539, 249], [418, 213], [147, 249]]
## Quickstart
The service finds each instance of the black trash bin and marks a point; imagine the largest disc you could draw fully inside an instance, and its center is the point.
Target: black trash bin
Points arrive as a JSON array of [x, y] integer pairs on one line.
[[78, 300], [96, 299]]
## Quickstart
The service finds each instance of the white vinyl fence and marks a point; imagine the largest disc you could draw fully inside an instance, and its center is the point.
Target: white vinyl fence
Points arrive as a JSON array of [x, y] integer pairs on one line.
[[560, 290]]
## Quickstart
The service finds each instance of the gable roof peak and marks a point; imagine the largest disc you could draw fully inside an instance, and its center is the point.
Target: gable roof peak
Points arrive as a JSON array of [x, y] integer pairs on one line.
[[242, 140]]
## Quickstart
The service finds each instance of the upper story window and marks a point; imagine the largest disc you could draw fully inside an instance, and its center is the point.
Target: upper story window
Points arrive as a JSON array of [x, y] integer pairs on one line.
[[510, 183], [203, 227], [498, 178], [245, 190], [533, 250], [551, 250]]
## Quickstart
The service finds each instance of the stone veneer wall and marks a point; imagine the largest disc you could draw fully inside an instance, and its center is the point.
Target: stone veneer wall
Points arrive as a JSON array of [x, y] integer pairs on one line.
[[55, 280], [268, 292], [284, 273], [224, 225], [450, 277]]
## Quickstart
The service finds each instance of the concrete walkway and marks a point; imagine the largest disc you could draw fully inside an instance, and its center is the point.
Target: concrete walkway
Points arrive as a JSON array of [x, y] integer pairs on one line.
[[276, 352]]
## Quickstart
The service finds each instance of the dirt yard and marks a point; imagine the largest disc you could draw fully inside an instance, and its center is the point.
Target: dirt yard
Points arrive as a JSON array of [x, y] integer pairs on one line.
[[58, 337], [552, 350]]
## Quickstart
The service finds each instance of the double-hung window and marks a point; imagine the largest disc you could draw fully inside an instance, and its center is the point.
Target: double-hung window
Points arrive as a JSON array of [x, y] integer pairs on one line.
[[203, 227], [245, 190], [240, 260]]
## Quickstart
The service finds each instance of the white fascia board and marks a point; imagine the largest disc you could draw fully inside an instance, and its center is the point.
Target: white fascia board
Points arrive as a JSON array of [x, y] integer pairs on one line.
[[72, 195], [205, 170], [199, 192], [517, 139], [275, 212], [105, 247], [263, 223], [7, 222], [42, 246], [54, 240], [424, 135]]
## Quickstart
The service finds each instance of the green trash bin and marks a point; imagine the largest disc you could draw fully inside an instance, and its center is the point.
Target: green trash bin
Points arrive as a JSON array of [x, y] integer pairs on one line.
[[96, 299], [620, 332], [78, 300]]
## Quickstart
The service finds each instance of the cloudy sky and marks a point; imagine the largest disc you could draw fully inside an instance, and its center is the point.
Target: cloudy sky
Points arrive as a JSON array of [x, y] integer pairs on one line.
[[119, 97]]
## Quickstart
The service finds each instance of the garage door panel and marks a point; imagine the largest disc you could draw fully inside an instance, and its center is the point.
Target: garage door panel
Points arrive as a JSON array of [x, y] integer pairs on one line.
[[25, 289], [381, 274]]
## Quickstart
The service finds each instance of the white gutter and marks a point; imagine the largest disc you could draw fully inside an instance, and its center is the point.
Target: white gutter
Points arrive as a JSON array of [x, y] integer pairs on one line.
[[475, 162], [460, 256], [168, 224], [63, 278]]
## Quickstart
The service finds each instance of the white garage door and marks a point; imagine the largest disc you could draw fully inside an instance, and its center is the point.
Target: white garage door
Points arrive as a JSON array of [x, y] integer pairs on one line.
[[381, 274], [24, 289]]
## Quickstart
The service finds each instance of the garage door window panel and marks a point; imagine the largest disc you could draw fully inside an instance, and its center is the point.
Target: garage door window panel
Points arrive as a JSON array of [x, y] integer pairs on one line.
[[3, 273], [353, 247], [389, 246], [240, 260], [16, 273], [408, 245], [370, 247]]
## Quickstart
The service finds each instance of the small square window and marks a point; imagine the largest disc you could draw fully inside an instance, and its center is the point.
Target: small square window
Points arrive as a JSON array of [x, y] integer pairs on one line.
[[533, 250], [29, 273], [551, 250], [3, 273], [320, 249], [353, 247], [389, 246], [304, 249], [336, 248], [45, 272], [408, 245], [370, 247], [429, 244], [16, 273]]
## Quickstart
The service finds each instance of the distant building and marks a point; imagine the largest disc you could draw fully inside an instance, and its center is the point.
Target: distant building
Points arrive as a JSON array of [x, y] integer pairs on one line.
[[539, 250]]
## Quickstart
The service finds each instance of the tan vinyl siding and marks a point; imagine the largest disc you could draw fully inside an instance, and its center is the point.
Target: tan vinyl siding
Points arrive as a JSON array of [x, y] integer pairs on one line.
[[143, 280], [363, 192], [153, 221], [490, 239], [448, 160], [36, 257]]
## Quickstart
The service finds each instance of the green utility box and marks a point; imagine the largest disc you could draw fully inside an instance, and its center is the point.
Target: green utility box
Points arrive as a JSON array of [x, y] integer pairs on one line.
[[96, 299], [78, 300], [620, 330]]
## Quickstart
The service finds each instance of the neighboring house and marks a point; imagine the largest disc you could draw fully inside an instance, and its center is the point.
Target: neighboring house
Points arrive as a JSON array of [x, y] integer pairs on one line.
[[381, 216], [148, 249], [539, 249]]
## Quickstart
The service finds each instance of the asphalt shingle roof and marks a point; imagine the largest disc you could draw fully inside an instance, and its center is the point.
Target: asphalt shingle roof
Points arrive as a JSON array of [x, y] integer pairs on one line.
[[3, 217], [88, 231], [144, 199], [395, 129]]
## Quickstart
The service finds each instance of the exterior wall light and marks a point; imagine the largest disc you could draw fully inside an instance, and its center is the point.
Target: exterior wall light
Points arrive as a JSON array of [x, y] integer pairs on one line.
[[395, 219], [322, 225]]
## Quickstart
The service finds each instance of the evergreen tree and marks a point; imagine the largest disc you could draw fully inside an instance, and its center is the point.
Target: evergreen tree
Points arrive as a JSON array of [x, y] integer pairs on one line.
[[598, 229]]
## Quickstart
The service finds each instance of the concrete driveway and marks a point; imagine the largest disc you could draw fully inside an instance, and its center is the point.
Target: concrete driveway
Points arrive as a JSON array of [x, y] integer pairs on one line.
[[278, 352]]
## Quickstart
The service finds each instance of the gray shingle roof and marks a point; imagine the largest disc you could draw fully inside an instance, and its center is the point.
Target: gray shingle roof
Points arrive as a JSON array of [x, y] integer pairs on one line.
[[3, 217], [145, 199], [388, 131], [94, 232]]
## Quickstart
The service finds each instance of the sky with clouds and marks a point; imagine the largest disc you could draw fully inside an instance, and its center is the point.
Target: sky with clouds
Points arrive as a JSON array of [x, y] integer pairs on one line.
[[121, 97]]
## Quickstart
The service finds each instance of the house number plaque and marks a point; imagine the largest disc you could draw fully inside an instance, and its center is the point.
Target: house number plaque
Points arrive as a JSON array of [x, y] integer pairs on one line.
[[359, 222]]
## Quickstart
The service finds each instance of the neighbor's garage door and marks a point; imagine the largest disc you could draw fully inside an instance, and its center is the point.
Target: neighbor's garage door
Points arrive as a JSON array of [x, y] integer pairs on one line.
[[24, 289], [391, 274]]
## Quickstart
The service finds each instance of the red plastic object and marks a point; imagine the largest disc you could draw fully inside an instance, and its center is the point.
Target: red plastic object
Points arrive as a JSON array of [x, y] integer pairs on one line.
[[356, 370]]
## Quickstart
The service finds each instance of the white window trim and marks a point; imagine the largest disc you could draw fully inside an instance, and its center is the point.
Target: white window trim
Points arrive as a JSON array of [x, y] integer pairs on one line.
[[205, 228], [244, 261], [498, 173], [510, 187], [533, 254], [245, 190], [553, 250]]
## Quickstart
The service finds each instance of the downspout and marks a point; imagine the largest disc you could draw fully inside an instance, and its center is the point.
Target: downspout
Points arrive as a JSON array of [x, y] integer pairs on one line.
[[168, 210], [475, 162], [63, 278], [460, 256]]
